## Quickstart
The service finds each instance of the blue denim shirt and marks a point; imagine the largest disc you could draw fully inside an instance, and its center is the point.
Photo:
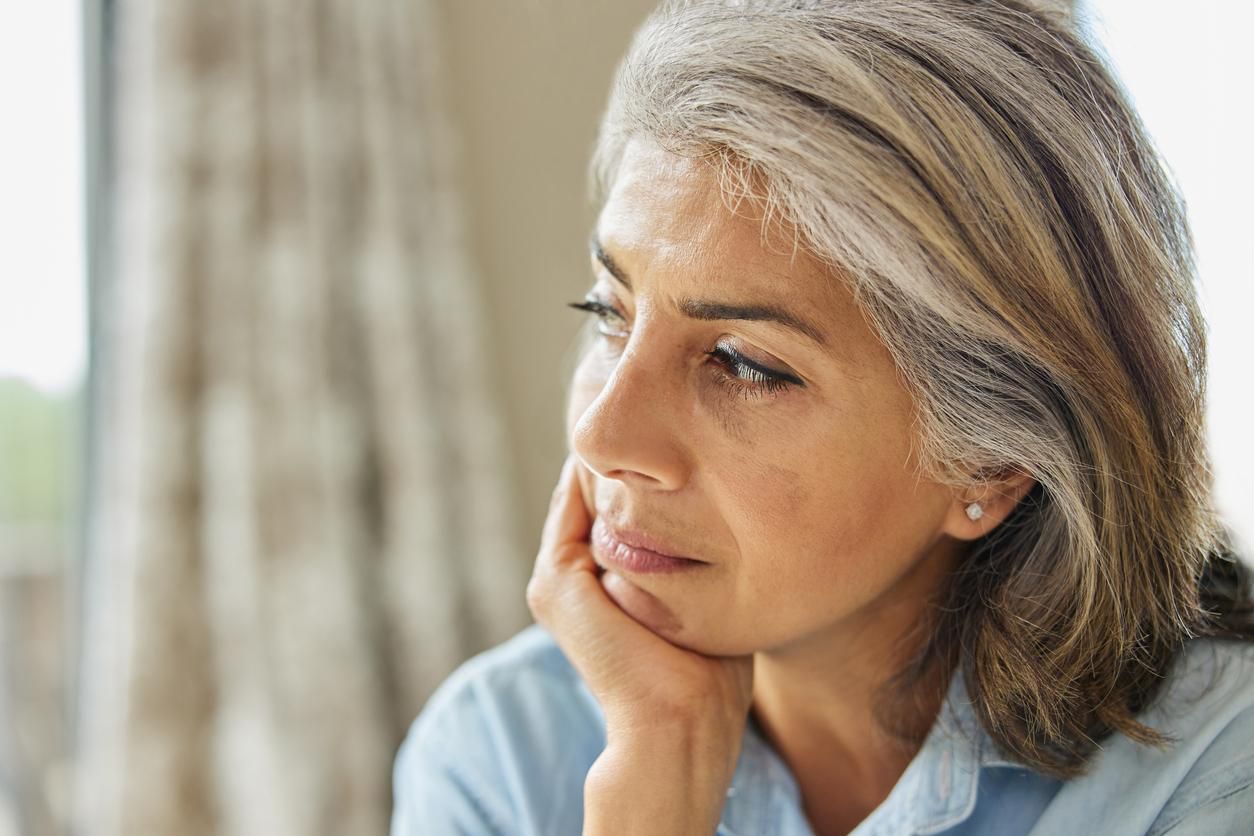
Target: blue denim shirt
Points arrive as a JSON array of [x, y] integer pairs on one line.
[[503, 746]]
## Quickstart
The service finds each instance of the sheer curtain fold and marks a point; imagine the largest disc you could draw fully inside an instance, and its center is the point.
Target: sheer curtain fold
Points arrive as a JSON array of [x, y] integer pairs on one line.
[[299, 522]]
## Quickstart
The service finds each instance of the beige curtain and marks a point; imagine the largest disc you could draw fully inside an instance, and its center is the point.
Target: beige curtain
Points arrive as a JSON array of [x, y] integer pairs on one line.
[[298, 522]]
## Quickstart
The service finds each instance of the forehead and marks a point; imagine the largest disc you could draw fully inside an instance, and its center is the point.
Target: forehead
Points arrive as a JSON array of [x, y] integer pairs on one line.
[[666, 215], [669, 209]]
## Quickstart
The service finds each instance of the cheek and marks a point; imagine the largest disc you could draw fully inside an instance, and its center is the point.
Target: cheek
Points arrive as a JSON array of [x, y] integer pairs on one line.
[[816, 511], [766, 496]]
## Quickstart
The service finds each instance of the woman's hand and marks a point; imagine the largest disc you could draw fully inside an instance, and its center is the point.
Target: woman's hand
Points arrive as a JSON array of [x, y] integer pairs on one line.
[[674, 718]]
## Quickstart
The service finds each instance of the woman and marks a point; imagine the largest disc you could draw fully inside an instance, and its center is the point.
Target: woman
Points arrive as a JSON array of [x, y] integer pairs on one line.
[[887, 508]]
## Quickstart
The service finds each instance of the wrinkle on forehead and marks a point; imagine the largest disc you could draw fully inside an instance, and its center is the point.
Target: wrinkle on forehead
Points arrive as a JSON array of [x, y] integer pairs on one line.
[[727, 244]]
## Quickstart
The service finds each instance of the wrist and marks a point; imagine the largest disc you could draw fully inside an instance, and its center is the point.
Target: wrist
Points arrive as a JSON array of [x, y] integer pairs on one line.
[[661, 783]]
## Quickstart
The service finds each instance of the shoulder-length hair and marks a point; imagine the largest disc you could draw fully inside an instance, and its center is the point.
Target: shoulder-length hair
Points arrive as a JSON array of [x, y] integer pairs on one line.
[[980, 180]]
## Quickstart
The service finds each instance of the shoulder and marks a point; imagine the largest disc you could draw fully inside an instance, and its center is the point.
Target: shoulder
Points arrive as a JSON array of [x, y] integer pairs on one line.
[[1206, 706], [1210, 710], [1208, 673], [525, 679], [503, 744]]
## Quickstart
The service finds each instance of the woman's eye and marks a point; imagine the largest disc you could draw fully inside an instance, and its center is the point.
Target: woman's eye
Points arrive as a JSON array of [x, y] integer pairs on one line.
[[733, 371], [747, 379], [607, 316]]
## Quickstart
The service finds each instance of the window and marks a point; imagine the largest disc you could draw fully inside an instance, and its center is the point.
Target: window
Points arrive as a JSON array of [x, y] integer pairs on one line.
[[43, 339]]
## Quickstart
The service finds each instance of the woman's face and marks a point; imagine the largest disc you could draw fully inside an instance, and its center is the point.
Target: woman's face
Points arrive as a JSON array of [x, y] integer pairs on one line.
[[780, 458]]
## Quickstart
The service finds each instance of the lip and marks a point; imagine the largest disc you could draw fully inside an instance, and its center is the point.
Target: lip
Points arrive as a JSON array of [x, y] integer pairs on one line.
[[635, 551]]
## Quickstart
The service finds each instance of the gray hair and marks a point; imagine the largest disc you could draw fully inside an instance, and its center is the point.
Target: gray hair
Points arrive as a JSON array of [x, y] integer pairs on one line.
[[980, 181]]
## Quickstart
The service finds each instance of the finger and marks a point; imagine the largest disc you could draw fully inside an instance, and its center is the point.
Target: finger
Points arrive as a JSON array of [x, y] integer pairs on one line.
[[568, 598], [642, 606], [604, 644], [568, 520]]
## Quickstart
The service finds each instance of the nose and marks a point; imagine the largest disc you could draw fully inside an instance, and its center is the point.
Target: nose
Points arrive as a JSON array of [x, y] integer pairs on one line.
[[632, 430]]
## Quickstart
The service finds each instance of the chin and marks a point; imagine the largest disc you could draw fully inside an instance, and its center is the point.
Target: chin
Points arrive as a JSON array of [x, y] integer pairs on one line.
[[709, 640]]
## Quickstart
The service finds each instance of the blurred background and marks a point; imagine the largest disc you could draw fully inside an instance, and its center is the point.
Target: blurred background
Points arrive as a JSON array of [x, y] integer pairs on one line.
[[283, 347]]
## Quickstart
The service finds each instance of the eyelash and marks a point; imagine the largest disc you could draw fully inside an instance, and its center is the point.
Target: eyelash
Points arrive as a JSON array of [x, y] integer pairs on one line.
[[748, 380]]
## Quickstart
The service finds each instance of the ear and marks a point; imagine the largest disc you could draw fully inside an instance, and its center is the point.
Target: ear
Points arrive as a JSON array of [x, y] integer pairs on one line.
[[997, 496]]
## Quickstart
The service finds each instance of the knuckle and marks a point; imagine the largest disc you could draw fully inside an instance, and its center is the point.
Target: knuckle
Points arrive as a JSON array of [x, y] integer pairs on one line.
[[537, 595]]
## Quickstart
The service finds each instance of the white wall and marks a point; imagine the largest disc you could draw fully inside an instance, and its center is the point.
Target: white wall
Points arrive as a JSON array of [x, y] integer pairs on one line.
[[1190, 70]]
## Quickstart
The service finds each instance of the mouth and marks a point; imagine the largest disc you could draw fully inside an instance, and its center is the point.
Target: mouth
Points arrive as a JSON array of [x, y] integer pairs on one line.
[[634, 551]]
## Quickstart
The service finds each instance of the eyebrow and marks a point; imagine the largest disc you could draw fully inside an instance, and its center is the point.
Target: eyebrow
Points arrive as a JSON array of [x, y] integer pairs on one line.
[[709, 310]]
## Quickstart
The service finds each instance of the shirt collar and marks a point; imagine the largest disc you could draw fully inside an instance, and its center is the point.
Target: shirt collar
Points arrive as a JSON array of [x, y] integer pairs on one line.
[[936, 791]]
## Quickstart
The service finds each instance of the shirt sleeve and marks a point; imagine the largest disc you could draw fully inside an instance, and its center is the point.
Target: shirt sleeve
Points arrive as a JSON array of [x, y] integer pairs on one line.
[[436, 792], [502, 747], [1230, 814]]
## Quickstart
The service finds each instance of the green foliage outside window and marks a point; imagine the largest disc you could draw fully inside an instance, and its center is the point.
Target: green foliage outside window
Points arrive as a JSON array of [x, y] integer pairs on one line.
[[39, 467]]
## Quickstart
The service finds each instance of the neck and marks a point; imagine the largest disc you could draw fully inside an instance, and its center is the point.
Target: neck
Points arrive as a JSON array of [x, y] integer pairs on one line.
[[814, 699]]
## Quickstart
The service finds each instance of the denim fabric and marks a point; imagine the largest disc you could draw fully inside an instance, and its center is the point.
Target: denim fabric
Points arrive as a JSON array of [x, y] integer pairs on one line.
[[503, 746]]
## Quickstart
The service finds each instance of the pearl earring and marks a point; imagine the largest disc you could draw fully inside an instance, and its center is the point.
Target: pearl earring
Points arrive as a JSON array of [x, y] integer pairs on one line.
[[974, 511]]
